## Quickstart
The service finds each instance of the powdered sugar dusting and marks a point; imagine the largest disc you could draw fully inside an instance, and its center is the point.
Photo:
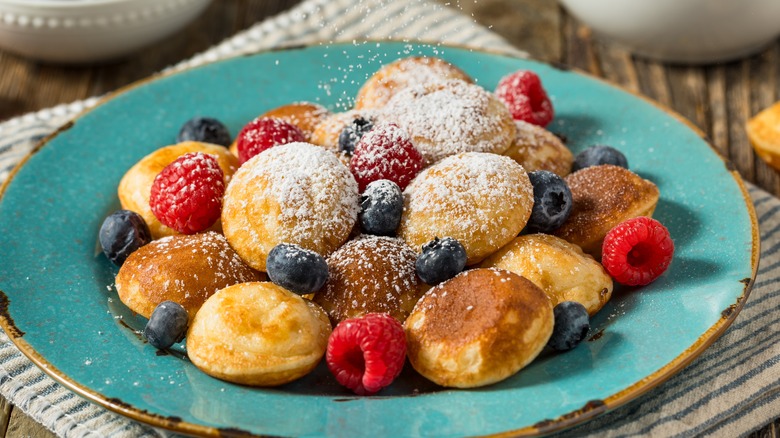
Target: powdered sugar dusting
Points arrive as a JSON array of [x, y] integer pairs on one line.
[[370, 274], [450, 117], [295, 193], [482, 200], [326, 134], [183, 268], [404, 73], [536, 148]]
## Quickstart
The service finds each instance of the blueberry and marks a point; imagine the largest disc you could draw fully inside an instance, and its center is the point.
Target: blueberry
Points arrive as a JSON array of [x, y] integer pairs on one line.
[[441, 259], [599, 154], [167, 325], [296, 269], [571, 325], [352, 133], [380, 208], [206, 130], [123, 232], [552, 202]]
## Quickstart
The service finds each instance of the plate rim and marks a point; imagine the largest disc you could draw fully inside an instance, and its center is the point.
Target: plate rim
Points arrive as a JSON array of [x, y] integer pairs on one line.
[[590, 410]]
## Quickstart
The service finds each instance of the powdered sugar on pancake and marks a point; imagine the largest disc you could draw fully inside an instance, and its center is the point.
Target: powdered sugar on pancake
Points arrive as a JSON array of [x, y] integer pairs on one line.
[[370, 274], [536, 148], [295, 193], [482, 200], [450, 117], [186, 269], [327, 132], [407, 72]]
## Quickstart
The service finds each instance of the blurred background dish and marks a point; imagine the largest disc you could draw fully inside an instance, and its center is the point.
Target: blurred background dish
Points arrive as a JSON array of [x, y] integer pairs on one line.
[[689, 31], [76, 31]]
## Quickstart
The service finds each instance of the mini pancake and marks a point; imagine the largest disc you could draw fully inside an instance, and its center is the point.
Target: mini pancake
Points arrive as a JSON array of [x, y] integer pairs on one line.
[[370, 274], [558, 267], [403, 73], [763, 131], [602, 197], [326, 133], [482, 200], [478, 328], [258, 334], [447, 118], [186, 269], [536, 148], [294, 193], [304, 115]]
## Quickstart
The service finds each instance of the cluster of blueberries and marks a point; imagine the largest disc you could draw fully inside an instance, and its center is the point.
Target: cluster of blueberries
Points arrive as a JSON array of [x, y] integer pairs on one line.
[[303, 271]]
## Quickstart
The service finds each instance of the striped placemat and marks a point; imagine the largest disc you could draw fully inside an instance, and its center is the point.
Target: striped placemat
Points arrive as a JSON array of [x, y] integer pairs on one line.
[[731, 390]]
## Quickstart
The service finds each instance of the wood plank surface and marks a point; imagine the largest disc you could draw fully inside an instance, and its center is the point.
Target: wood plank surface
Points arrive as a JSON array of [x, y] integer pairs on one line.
[[716, 98]]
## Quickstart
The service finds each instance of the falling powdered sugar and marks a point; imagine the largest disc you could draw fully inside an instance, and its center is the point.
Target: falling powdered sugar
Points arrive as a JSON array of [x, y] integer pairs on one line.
[[404, 73]]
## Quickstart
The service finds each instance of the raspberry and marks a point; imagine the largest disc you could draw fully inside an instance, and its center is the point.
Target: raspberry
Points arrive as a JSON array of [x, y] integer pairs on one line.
[[523, 94], [187, 194], [367, 353], [263, 133], [637, 251], [385, 152]]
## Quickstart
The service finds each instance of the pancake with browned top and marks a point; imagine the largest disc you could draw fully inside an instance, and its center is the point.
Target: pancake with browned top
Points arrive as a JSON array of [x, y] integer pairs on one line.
[[478, 328], [370, 274], [186, 269], [604, 196]]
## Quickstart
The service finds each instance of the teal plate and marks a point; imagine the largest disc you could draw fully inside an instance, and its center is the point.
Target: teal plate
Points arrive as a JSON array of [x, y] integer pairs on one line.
[[58, 306]]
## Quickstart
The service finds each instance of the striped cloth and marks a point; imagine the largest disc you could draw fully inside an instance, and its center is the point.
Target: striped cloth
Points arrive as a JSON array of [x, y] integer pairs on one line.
[[731, 390]]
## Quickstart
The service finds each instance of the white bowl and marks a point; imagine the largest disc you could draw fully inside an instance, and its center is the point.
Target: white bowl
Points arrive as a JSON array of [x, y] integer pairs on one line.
[[74, 31], [688, 31]]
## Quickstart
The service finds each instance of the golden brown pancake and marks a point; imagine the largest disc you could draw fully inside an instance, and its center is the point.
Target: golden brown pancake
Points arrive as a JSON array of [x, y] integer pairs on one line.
[[536, 148], [558, 267], [478, 328], [186, 269], [763, 131], [326, 133], [136, 185], [305, 115], [604, 196], [258, 334], [370, 274]]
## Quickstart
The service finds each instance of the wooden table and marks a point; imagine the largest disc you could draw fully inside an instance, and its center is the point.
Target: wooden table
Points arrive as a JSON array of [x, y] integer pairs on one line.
[[716, 98]]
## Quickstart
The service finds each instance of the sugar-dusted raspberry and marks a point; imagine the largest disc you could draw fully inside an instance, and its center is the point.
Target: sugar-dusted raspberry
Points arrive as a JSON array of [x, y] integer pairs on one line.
[[187, 194], [523, 94], [263, 133], [367, 353], [385, 152], [636, 251]]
